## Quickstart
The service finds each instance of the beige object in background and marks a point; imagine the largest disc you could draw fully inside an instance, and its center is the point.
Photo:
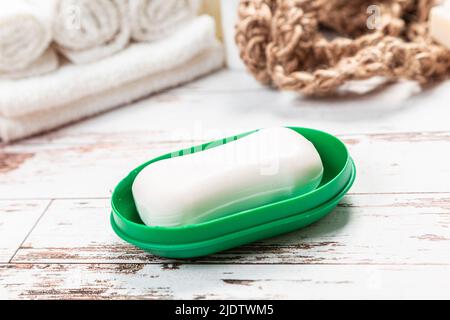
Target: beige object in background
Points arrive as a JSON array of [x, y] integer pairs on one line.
[[439, 23], [225, 12], [212, 8], [229, 12], [90, 30], [25, 36]]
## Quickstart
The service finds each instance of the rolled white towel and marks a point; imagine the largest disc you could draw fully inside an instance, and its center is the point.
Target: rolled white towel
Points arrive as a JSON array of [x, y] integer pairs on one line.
[[77, 91], [46, 63], [89, 30], [156, 19], [25, 35], [73, 82], [206, 61]]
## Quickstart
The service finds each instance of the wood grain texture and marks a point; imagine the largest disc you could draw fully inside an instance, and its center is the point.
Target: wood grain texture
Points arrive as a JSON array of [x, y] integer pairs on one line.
[[232, 101], [130, 281], [389, 238], [365, 229], [17, 218], [386, 163]]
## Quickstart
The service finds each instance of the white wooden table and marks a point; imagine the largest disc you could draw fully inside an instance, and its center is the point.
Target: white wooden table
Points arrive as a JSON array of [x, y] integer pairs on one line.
[[390, 237]]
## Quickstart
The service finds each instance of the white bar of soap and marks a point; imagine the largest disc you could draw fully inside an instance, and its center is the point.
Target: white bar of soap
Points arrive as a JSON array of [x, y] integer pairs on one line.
[[439, 23], [263, 167]]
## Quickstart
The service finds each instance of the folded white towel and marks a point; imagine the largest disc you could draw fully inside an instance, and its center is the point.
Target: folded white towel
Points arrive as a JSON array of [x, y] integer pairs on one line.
[[25, 34], [89, 30], [78, 91], [73, 82], [205, 62], [46, 63], [156, 19]]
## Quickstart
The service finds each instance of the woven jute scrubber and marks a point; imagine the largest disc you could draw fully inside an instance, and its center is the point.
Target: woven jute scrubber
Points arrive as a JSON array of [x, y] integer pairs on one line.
[[282, 43]]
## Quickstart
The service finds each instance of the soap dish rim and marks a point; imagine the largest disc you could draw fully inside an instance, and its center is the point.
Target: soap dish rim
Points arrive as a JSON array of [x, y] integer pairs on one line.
[[169, 250], [299, 197]]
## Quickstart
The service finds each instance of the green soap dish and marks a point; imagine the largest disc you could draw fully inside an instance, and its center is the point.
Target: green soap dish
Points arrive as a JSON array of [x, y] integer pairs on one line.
[[263, 231], [338, 171]]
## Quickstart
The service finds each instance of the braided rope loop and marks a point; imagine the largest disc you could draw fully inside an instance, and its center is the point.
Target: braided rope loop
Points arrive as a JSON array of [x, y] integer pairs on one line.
[[282, 43]]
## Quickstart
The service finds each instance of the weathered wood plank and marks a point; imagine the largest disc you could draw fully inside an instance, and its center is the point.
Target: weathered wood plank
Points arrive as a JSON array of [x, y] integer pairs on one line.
[[386, 163], [16, 220], [114, 281], [105, 148], [373, 246], [223, 81], [366, 229], [234, 101]]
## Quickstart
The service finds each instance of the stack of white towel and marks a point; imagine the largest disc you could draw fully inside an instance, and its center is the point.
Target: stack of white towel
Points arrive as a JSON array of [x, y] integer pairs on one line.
[[111, 53]]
